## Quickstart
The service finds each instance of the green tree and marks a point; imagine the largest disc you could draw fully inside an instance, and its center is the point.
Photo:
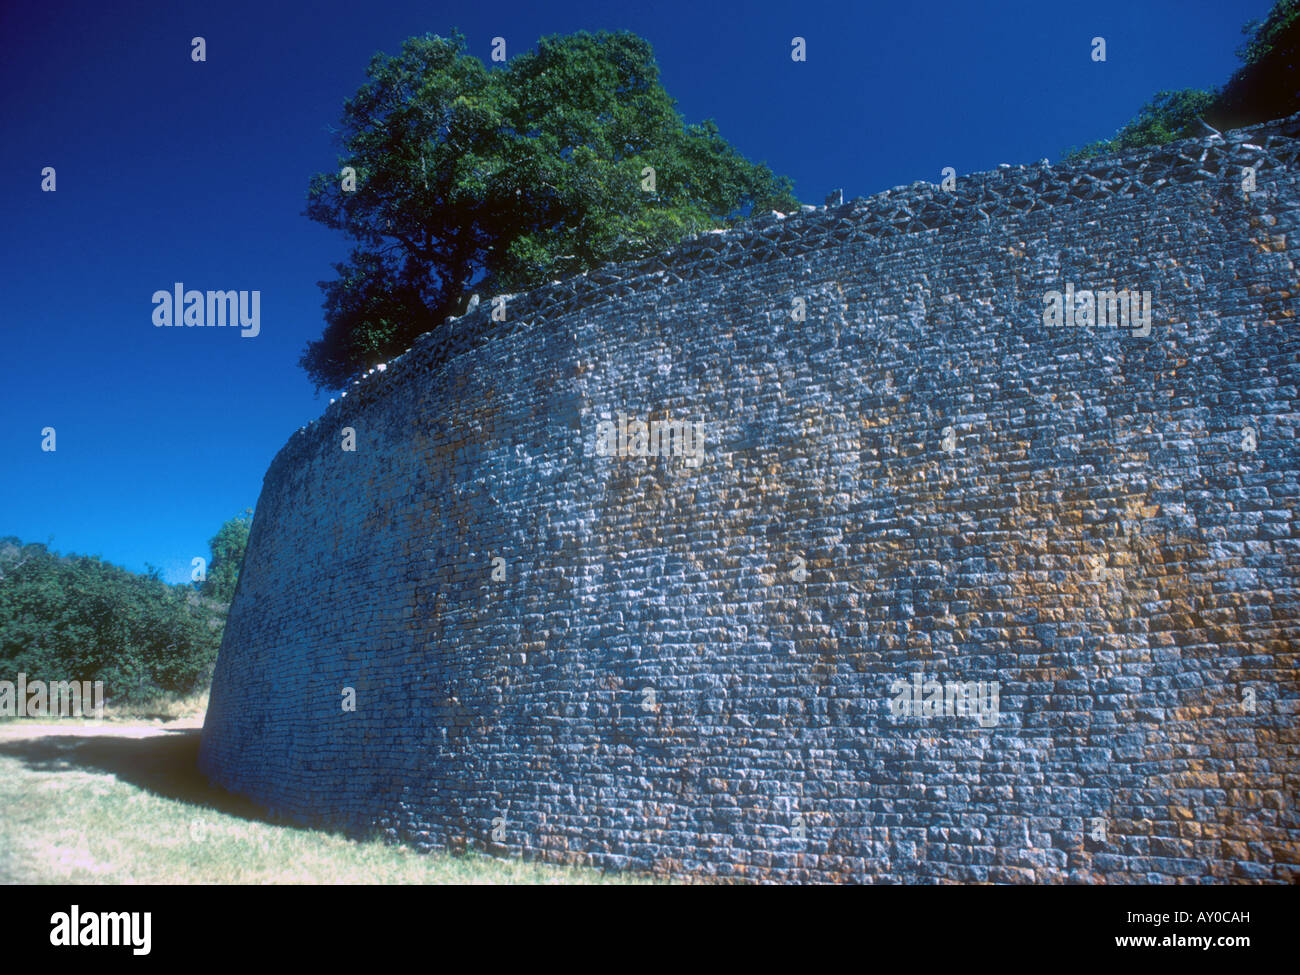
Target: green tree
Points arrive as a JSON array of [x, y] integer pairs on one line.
[[1168, 116], [77, 617], [500, 180], [1265, 87], [227, 547]]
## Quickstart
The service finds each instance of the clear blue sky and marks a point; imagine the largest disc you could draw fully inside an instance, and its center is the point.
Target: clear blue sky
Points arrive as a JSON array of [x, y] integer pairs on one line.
[[171, 171]]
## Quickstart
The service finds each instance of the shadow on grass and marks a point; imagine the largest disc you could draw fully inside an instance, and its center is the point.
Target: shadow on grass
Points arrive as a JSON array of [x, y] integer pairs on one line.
[[166, 765]]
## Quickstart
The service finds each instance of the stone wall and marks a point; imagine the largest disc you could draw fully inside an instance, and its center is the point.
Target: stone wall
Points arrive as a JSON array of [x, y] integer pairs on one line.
[[697, 667]]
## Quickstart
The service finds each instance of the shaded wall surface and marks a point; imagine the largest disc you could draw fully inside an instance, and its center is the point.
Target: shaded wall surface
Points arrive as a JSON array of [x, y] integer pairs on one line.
[[696, 669]]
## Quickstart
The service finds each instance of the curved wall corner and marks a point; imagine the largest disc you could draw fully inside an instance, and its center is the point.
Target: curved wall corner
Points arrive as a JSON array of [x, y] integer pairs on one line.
[[703, 668]]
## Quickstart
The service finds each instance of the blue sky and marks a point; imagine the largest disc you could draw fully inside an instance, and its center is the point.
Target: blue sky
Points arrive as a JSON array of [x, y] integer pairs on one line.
[[170, 170]]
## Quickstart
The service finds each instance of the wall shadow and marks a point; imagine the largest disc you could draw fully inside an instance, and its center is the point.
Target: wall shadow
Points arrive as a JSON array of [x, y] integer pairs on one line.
[[165, 765]]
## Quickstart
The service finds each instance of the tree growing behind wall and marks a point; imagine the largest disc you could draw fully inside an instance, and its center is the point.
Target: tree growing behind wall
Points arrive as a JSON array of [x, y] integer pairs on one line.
[[456, 177], [76, 617], [227, 547], [1266, 86]]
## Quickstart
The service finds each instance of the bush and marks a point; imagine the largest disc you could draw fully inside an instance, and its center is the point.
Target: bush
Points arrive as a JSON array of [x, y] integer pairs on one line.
[[76, 617]]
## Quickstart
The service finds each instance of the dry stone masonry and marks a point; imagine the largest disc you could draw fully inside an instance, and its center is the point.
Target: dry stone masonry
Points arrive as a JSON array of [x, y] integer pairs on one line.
[[948, 594]]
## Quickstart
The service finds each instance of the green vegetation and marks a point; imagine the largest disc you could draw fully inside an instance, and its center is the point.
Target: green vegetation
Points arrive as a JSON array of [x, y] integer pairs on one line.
[[1266, 86], [76, 617], [501, 180], [1170, 115], [227, 548]]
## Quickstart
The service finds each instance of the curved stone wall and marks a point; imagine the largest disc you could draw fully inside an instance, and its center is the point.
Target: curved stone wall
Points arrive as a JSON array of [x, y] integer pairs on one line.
[[921, 587]]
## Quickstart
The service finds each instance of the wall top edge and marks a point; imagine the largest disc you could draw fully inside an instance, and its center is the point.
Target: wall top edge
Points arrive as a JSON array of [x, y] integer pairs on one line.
[[1005, 191]]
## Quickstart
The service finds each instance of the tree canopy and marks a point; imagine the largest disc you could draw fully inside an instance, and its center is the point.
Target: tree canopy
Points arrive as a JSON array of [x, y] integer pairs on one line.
[[78, 618], [1266, 86], [499, 180], [227, 546]]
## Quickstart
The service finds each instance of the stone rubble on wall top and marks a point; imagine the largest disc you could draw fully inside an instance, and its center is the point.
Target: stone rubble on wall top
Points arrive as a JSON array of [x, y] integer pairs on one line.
[[920, 207]]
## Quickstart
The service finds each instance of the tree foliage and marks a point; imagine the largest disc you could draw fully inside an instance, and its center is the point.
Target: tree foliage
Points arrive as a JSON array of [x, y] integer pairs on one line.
[[500, 180], [1265, 87], [79, 618], [1168, 116], [227, 547]]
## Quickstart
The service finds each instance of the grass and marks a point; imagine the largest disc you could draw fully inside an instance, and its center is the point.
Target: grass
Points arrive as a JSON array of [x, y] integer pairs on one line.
[[168, 707], [120, 804], [165, 707]]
